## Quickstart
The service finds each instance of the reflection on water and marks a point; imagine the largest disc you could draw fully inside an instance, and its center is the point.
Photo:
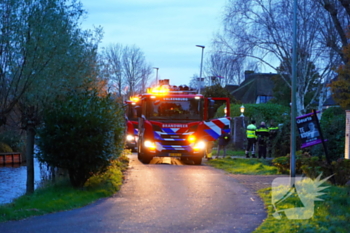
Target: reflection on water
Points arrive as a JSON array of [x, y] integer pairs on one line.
[[13, 180]]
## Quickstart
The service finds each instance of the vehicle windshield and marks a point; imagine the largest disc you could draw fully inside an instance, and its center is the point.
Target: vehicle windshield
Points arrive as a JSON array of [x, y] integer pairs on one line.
[[173, 108], [131, 112]]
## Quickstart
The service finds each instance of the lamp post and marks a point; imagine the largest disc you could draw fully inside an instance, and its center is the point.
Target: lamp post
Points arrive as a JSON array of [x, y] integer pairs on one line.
[[200, 74], [156, 74], [293, 96], [242, 111]]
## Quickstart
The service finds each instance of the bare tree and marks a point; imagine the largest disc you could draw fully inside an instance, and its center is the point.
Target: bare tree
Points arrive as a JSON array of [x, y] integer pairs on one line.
[[126, 69], [146, 73], [225, 68], [135, 69], [262, 30], [113, 67], [339, 18]]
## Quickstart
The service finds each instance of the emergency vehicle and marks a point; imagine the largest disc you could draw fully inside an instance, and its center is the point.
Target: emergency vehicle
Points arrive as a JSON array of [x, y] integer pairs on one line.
[[131, 119], [178, 122]]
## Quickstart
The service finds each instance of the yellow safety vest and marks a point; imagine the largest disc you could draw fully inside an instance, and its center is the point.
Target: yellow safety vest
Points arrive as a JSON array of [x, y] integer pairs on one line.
[[273, 130], [262, 130], [251, 131]]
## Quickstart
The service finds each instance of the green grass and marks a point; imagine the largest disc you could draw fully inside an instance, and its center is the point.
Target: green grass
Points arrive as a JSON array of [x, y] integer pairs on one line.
[[62, 196], [244, 166], [230, 152], [330, 215]]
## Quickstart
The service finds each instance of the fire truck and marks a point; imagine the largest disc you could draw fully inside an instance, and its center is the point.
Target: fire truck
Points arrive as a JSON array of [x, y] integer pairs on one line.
[[131, 112], [178, 122]]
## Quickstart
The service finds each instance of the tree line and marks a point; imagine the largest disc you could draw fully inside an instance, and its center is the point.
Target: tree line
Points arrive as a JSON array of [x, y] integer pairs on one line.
[[54, 82], [257, 34]]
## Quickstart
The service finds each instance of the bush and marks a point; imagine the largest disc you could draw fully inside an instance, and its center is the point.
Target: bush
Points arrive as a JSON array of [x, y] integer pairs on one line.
[[270, 113], [12, 139], [281, 143], [313, 167], [333, 128], [82, 133], [4, 148], [283, 162]]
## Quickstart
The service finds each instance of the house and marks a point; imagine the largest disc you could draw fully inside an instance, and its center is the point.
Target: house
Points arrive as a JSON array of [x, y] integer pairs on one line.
[[256, 88]]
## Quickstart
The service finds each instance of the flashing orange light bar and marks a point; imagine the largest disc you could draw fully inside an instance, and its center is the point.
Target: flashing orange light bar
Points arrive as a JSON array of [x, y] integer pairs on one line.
[[134, 98], [159, 90]]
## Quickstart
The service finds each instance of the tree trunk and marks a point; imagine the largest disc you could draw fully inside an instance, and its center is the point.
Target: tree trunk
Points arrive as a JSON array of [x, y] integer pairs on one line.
[[30, 159]]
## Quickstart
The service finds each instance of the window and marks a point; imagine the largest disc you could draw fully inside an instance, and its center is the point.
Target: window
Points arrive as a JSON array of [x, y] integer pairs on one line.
[[263, 99]]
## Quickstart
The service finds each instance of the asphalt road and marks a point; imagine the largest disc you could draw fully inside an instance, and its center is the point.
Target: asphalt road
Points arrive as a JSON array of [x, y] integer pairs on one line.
[[160, 198]]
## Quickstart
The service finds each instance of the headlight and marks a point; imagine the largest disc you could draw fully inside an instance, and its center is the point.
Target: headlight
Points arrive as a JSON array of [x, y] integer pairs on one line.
[[199, 146], [150, 145], [191, 138], [130, 137]]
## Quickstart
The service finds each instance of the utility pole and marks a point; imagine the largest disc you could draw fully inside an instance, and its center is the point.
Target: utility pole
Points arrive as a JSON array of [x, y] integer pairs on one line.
[[200, 74], [293, 110], [156, 74]]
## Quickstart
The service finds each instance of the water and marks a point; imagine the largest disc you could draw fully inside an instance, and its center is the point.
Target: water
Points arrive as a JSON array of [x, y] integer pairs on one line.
[[13, 180]]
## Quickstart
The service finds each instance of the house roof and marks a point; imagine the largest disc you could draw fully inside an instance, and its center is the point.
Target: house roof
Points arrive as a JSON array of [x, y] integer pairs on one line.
[[330, 102], [255, 84]]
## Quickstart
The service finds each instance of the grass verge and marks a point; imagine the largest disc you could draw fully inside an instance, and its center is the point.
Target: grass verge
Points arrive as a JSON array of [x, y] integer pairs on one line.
[[62, 196], [330, 215], [244, 166]]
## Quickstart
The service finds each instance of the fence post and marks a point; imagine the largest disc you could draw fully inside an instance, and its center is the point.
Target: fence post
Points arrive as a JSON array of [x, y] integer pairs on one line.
[[239, 132], [347, 135]]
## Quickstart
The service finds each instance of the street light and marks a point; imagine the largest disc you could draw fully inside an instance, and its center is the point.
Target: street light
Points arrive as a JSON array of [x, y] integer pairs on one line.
[[156, 74], [200, 74], [242, 111]]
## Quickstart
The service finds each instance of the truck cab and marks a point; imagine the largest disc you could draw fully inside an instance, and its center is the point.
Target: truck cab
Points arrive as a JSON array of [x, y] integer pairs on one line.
[[176, 123]]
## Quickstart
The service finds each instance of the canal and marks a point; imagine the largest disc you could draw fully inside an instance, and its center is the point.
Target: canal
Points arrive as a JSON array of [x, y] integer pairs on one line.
[[13, 180]]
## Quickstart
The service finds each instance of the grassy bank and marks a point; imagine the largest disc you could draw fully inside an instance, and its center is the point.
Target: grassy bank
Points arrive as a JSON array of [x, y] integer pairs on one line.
[[62, 196], [330, 215], [244, 166]]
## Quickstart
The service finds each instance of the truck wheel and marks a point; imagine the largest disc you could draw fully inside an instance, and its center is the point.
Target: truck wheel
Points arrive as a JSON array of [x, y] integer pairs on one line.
[[139, 156], [146, 159], [197, 160], [143, 156]]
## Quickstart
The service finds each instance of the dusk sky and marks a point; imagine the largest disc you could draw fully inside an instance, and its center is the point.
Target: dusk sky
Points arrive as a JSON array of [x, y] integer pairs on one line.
[[167, 31]]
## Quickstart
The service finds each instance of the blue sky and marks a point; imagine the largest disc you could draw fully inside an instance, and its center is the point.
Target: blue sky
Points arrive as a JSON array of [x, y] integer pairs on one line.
[[167, 31]]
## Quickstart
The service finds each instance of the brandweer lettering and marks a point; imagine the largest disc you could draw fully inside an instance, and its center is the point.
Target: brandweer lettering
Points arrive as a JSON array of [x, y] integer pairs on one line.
[[178, 99], [174, 126]]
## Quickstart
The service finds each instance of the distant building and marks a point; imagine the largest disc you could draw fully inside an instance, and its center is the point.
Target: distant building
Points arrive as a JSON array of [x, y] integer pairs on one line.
[[255, 89]]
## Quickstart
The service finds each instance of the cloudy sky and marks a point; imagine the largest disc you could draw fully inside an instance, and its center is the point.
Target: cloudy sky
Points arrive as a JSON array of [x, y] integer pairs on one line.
[[167, 31]]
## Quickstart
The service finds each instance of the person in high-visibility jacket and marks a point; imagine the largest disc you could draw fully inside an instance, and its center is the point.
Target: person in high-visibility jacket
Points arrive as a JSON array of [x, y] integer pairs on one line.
[[251, 138], [263, 134]]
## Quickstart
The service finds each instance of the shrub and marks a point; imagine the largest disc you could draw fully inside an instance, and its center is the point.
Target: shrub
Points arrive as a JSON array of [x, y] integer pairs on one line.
[[82, 133], [340, 169], [261, 112], [333, 128], [281, 143], [13, 139], [271, 114], [283, 162], [4, 148]]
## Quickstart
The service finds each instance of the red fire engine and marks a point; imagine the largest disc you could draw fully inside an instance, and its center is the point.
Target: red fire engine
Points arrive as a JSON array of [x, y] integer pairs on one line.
[[132, 107], [175, 122]]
